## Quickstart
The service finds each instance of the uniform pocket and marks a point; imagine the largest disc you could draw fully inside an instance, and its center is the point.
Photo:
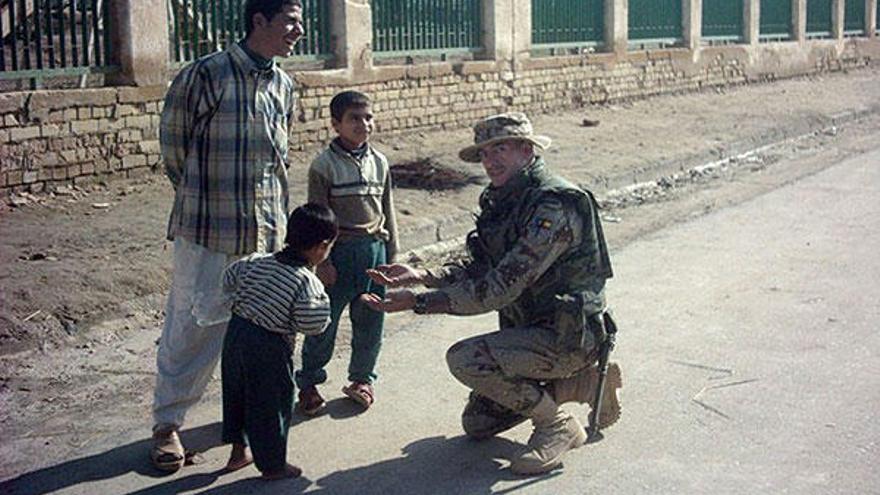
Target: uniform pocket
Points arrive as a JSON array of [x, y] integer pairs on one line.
[[572, 323]]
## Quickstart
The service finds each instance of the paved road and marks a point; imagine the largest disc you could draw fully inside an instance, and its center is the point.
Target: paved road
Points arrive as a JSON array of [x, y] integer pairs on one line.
[[750, 351]]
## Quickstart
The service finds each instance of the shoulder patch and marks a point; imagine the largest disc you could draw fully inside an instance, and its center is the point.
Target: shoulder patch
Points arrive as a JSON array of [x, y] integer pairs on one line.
[[541, 229]]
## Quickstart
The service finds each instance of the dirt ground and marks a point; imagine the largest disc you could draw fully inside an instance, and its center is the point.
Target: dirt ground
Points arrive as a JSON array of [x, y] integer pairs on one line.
[[84, 272], [74, 258]]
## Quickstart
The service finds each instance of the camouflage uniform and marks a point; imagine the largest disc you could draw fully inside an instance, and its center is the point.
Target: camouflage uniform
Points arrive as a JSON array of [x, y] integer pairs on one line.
[[538, 257]]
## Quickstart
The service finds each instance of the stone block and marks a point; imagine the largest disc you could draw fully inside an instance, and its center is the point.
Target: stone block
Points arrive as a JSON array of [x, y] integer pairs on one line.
[[80, 127], [142, 94], [69, 156], [137, 121], [19, 134], [50, 130], [61, 99], [29, 177], [14, 177], [149, 147], [56, 117], [12, 102], [132, 161]]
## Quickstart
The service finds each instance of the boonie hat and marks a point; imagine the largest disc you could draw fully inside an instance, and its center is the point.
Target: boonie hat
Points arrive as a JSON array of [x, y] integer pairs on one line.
[[501, 127]]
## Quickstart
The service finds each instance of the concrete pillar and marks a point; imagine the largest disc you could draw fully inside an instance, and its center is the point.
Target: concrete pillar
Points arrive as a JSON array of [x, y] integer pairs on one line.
[[139, 37], [799, 20], [692, 22], [871, 28], [351, 25], [498, 28], [751, 21], [522, 28], [616, 26], [838, 14]]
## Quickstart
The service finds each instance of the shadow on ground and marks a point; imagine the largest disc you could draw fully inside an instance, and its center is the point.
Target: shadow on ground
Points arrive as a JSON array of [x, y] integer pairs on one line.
[[130, 458], [435, 465]]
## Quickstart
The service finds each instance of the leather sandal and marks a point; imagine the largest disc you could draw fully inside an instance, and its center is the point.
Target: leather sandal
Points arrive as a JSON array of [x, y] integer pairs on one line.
[[167, 453], [362, 393]]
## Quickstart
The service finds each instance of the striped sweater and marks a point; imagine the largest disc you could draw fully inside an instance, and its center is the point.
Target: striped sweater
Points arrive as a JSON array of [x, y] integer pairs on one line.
[[279, 296], [358, 190]]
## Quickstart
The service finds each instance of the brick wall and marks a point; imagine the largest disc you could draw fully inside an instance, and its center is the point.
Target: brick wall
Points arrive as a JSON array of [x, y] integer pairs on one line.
[[53, 138]]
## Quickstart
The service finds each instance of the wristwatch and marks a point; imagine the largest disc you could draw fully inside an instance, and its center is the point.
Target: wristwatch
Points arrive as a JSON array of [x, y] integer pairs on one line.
[[421, 305]]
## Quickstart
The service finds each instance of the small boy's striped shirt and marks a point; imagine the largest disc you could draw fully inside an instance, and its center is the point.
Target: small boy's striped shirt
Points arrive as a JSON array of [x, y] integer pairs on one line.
[[280, 297]]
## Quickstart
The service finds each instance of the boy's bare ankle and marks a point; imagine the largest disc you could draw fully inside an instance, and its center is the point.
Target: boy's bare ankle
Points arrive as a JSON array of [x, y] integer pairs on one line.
[[239, 457], [289, 471]]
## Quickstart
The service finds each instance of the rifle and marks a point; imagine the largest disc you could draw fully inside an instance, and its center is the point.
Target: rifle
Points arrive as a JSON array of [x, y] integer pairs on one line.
[[605, 348]]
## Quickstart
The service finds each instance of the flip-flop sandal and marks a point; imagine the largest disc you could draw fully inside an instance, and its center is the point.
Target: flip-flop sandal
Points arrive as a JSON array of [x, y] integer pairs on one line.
[[167, 453], [362, 393]]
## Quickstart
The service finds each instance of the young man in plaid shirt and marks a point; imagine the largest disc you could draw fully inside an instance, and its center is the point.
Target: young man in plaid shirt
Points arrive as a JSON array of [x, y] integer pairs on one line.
[[223, 132]]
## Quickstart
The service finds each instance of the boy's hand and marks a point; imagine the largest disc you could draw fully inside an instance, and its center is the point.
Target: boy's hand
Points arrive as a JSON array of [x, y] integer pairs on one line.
[[396, 275], [400, 300], [326, 273]]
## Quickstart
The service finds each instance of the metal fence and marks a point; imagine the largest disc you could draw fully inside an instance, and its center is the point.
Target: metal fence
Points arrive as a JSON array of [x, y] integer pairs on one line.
[[723, 19], [200, 27], [567, 22], [818, 18], [854, 18], [413, 27], [775, 22], [655, 20], [42, 39]]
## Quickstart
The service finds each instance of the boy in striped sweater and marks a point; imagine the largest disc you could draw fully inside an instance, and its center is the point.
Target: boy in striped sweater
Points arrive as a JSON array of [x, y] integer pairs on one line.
[[273, 296]]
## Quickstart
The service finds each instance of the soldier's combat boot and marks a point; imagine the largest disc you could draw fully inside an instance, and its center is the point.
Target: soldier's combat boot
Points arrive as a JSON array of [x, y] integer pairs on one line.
[[581, 388], [483, 418], [556, 432]]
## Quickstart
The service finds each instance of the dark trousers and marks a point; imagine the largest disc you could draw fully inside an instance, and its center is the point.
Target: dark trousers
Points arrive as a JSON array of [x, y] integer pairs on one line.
[[257, 370], [351, 258]]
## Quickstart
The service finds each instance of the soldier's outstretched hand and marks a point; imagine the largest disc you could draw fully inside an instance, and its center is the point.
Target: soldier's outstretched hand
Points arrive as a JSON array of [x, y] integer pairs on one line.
[[395, 301], [396, 275]]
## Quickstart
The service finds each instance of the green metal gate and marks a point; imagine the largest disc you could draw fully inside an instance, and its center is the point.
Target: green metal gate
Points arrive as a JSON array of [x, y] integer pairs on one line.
[[200, 27], [854, 18], [818, 18], [775, 19], [655, 20], [412, 27], [723, 19], [42, 39], [567, 22]]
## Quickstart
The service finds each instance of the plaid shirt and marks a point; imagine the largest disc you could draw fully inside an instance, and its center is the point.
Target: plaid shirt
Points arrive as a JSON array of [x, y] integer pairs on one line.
[[224, 132]]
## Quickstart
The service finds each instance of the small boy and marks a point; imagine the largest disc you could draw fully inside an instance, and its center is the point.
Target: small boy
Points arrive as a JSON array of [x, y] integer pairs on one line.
[[353, 179], [273, 296]]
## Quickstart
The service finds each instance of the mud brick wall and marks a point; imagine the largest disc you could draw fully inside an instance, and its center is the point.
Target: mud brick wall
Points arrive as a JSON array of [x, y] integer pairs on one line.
[[446, 95], [53, 138]]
